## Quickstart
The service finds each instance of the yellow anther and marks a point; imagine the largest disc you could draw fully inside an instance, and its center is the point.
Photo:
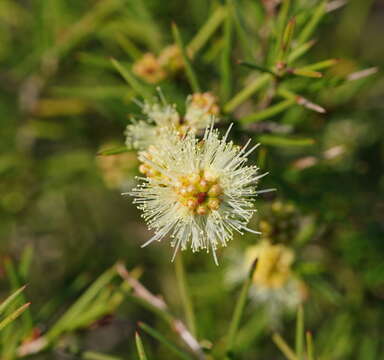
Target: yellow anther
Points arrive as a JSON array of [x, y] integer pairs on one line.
[[194, 179], [210, 176], [192, 203], [215, 190], [202, 210], [187, 190], [214, 203], [203, 185], [152, 172], [143, 168]]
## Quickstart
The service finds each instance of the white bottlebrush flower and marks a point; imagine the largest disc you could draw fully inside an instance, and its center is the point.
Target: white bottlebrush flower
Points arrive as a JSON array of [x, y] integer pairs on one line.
[[201, 191], [201, 110], [143, 133]]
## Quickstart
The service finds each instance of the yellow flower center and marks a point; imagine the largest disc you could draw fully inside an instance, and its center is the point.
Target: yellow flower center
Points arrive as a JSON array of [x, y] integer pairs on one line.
[[200, 193]]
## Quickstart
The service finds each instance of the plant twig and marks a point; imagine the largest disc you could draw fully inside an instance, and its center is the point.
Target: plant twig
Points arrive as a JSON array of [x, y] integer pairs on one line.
[[156, 304]]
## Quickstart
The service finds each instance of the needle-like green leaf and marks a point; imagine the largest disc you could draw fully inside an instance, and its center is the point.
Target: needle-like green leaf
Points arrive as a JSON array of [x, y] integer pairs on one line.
[[172, 347], [300, 333], [284, 347], [13, 316], [131, 80], [140, 347], [192, 78], [268, 112], [10, 299], [113, 151], [239, 309]]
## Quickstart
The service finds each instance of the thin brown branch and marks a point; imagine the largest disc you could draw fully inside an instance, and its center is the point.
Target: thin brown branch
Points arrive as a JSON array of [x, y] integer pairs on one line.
[[158, 303]]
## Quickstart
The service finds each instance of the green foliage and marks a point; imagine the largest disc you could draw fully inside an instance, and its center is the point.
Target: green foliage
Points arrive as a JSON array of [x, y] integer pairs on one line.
[[9, 318], [300, 77]]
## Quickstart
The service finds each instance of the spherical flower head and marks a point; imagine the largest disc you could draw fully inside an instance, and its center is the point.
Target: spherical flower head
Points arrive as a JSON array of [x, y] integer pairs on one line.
[[171, 59], [149, 69], [203, 191], [202, 109]]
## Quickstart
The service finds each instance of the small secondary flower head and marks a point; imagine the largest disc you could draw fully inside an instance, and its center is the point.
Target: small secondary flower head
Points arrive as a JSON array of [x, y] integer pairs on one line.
[[274, 284], [164, 118], [149, 68], [160, 118], [201, 107], [200, 191], [274, 264]]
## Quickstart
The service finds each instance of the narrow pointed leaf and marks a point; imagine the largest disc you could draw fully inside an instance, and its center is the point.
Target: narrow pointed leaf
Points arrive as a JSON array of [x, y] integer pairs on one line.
[[283, 15], [306, 72], [284, 45], [256, 67], [284, 347], [247, 92], [275, 140], [192, 78], [311, 25], [226, 60], [300, 50], [10, 299], [159, 337], [321, 65], [300, 100], [206, 31], [239, 309], [268, 112], [13, 316], [299, 333], [81, 304], [288, 35], [185, 293], [310, 353], [128, 46], [25, 262], [113, 151], [131, 80], [140, 347]]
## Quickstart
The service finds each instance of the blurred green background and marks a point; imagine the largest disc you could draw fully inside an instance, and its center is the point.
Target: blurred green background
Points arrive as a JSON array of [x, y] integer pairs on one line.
[[61, 101]]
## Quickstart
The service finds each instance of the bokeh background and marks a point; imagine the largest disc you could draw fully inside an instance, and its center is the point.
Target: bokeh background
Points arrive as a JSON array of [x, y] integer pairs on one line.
[[61, 207]]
